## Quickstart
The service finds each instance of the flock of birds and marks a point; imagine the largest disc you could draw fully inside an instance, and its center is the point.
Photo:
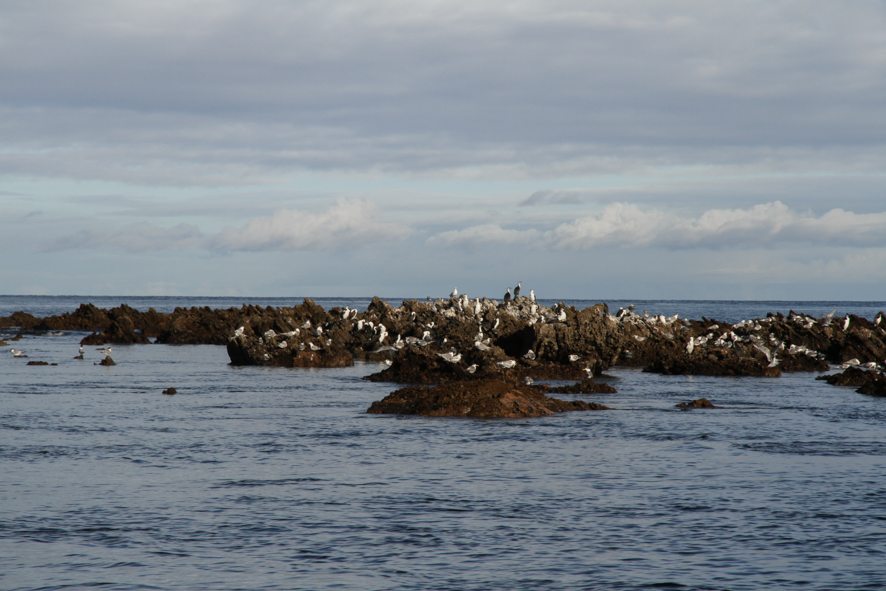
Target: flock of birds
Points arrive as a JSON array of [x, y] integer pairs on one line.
[[81, 352], [752, 333]]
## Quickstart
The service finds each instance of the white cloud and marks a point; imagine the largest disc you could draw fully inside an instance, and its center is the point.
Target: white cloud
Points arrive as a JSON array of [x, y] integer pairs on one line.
[[629, 225], [624, 224], [346, 224]]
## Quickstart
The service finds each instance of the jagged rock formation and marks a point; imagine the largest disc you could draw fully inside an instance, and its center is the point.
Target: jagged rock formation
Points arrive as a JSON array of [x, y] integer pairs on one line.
[[461, 338]]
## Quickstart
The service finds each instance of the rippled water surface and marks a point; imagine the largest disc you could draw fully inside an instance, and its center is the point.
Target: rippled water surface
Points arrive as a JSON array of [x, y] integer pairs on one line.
[[254, 478]]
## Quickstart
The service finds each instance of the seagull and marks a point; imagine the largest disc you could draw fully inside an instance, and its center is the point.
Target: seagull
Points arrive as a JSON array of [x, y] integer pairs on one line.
[[589, 372], [451, 356], [562, 315], [690, 346], [313, 347], [530, 354], [573, 357], [507, 297], [106, 351], [878, 320], [846, 323], [528, 381], [517, 289], [454, 293], [17, 353], [471, 368], [532, 295], [507, 364]]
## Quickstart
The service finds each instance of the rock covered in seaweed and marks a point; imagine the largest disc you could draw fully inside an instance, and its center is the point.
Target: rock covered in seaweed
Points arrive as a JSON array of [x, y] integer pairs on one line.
[[492, 398]]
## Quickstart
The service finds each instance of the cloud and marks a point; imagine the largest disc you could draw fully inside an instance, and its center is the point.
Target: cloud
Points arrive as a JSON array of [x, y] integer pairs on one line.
[[627, 225], [623, 224], [132, 238], [483, 235], [561, 197], [346, 224], [539, 88]]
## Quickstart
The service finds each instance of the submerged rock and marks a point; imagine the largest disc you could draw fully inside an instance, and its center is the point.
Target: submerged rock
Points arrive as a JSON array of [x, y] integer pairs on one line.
[[492, 398], [694, 404], [170, 391]]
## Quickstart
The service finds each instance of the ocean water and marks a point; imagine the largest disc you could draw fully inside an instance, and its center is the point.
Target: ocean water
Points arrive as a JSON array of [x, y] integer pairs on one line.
[[271, 478]]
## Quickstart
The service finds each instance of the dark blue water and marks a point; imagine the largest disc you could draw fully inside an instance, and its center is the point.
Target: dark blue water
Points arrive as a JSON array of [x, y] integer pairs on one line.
[[259, 478]]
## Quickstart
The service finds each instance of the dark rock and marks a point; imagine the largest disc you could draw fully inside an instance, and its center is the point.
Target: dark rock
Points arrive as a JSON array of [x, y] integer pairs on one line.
[[851, 376], [38, 363], [107, 361], [585, 387], [693, 404], [716, 362], [866, 381], [170, 391], [491, 398], [875, 387]]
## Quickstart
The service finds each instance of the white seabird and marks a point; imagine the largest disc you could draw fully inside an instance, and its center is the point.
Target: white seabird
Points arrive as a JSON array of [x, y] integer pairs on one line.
[[507, 364], [17, 353], [846, 323], [532, 295], [517, 289], [573, 357], [451, 356], [589, 372], [454, 293], [507, 296], [471, 368]]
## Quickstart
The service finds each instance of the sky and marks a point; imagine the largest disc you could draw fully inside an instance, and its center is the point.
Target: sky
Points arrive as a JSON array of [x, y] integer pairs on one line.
[[648, 149]]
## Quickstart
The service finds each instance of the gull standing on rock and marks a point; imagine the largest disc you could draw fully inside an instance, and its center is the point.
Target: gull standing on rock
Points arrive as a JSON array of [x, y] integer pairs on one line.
[[517, 289], [531, 295], [507, 297], [454, 293]]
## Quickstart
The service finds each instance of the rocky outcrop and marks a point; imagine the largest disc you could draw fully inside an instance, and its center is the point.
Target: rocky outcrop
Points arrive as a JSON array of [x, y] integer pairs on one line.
[[460, 338], [870, 381], [491, 398]]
